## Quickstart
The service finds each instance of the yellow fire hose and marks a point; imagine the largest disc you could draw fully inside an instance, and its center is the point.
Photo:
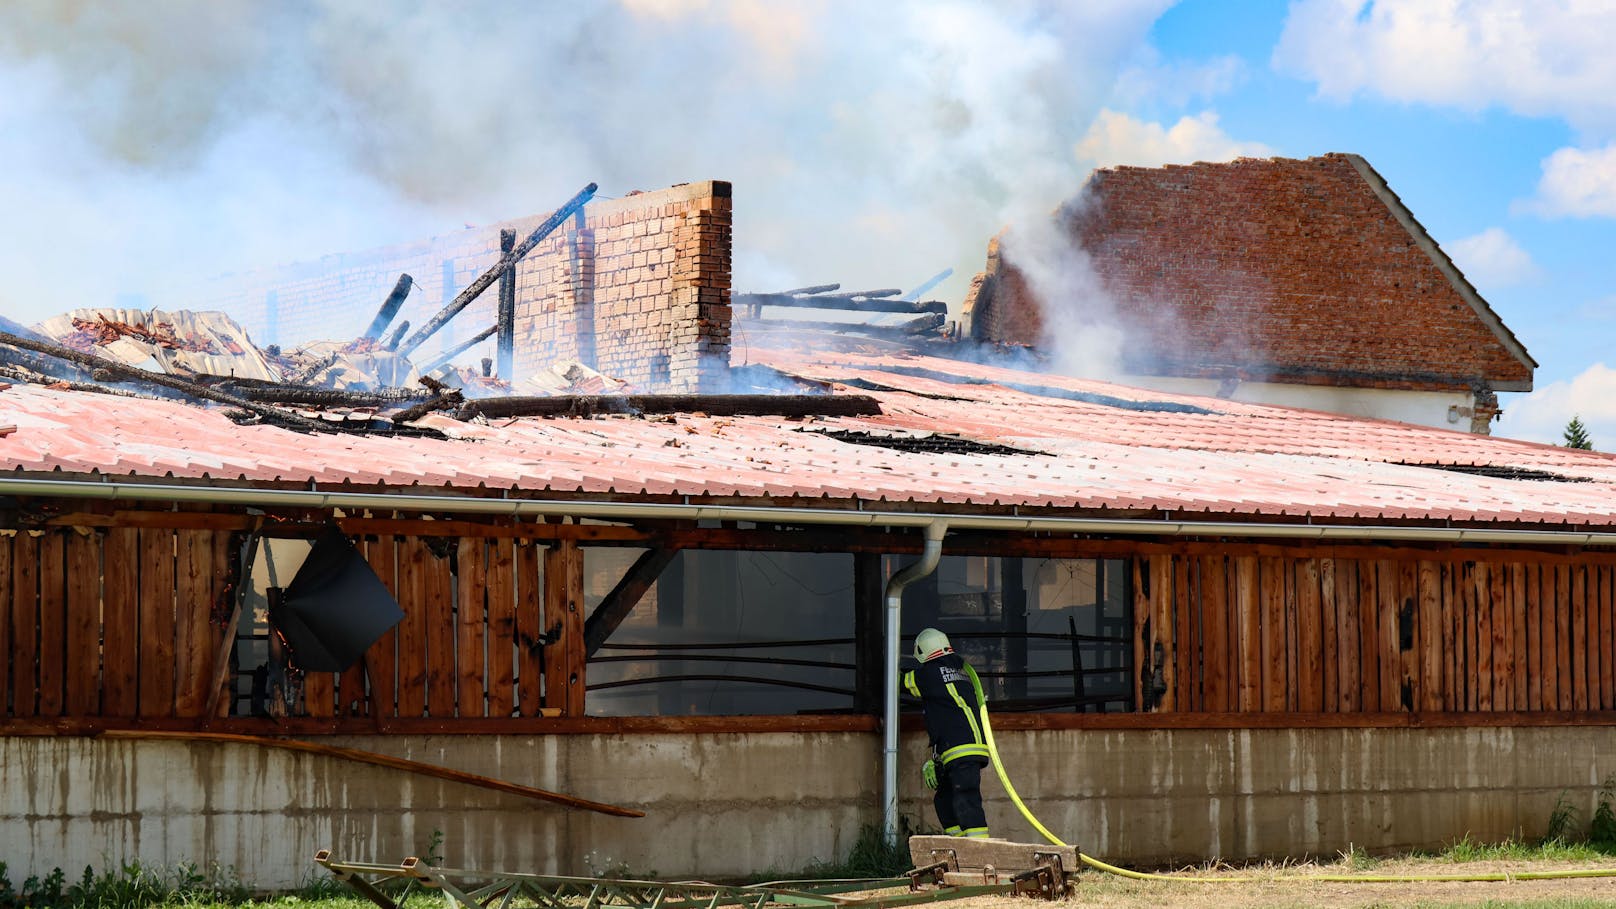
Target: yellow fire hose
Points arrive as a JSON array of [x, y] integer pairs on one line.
[[1092, 862]]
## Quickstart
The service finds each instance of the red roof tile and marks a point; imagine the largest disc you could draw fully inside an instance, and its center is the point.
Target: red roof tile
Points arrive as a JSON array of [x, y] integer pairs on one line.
[[1091, 446]]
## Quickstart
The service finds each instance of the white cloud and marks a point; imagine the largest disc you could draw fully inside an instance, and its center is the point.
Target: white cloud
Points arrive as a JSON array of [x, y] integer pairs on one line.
[[1492, 258], [1538, 59], [1542, 415], [1579, 183], [1116, 139]]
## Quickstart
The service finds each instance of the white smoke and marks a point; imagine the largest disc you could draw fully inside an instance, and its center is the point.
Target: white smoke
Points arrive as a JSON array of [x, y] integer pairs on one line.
[[872, 144]]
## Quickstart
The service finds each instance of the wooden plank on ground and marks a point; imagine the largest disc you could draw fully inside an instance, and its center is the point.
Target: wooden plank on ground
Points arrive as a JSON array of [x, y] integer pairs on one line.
[[1579, 639], [1349, 656], [1431, 636], [1271, 586], [501, 627], [413, 566], [975, 855], [381, 659], [471, 632], [1369, 641], [83, 565], [530, 628], [1217, 651], [1485, 673], [1309, 639], [52, 622], [438, 597], [193, 638]]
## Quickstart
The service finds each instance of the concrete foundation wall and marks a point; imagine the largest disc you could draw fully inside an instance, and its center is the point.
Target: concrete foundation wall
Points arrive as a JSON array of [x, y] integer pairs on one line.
[[725, 804]]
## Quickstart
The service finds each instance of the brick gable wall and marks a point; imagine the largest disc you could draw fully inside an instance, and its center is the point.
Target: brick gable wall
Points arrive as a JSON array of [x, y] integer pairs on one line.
[[638, 288], [1294, 270]]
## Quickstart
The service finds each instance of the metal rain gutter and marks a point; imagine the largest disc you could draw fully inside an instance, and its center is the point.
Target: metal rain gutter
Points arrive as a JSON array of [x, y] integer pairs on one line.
[[910, 573], [118, 490]]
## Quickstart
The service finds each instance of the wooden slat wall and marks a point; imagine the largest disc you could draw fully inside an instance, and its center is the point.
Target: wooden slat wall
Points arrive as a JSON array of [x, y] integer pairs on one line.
[[530, 627], [1325, 634]]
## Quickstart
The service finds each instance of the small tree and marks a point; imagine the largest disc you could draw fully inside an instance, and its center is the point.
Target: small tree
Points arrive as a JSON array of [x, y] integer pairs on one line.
[[1576, 434]]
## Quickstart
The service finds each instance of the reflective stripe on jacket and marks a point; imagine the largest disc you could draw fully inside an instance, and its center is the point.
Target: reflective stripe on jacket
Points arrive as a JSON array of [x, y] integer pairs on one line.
[[949, 700]]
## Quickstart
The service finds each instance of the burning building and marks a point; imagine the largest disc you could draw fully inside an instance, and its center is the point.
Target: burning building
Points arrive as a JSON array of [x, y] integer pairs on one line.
[[1208, 627]]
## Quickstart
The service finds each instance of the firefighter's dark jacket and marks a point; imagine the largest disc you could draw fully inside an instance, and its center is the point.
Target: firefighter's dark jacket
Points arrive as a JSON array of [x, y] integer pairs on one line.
[[952, 718]]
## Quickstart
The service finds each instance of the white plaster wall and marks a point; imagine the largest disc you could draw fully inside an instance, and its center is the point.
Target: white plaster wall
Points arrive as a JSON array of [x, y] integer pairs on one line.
[[1426, 408], [733, 804]]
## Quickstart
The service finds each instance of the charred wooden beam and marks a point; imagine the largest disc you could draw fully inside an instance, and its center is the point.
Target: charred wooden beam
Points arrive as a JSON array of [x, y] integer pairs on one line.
[[815, 289], [841, 302], [927, 323], [384, 316], [508, 260], [871, 294], [712, 405], [321, 397], [624, 597], [444, 401], [461, 348], [397, 334], [506, 321], [200, 392]]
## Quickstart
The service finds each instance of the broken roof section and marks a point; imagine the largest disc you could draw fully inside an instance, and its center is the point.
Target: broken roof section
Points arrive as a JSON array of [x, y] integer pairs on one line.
[[1239, 269]]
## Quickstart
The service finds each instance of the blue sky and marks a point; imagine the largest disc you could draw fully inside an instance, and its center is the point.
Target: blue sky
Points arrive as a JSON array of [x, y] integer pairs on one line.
[[145, 146]]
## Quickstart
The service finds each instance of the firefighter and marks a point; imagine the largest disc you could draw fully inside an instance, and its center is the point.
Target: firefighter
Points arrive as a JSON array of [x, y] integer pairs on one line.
[[953, 722]]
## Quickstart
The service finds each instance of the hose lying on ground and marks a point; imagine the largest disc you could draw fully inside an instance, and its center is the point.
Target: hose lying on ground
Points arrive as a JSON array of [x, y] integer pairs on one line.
[[1010, 789]]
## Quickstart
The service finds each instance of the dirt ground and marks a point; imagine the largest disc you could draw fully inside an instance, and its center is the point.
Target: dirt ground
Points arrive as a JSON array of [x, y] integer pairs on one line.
[[1296, 886]]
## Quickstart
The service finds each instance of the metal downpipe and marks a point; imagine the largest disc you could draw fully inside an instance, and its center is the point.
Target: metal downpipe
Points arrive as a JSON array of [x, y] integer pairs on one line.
[[889, 716]]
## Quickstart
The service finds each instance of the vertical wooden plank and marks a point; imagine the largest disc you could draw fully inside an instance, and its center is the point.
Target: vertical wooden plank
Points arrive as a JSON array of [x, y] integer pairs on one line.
[[1186, 658], [6, 653], [1144, 592], [1485, 671], [1520, 682], [120, 622], [564, 660], [1595, 638], [25, 624], [1503, 652], [1608, 636], [471, 633], [1330, 637], [1465, 660], [1350, 693], [52, 622], [1166, 627], [1293, 654], [1580, 657], [226, 578], [1368, 605], [501, 627], [1430, 636], [381, 660], [438, 599], [1271, 595], [156, 623], [1408, 618], [1309, 639], [1391, 664], [193, 641], [1548, 626], [1215, 622], [530, 627], [83, 564], [1563, 642], [1451, 640], [413, 567], [1250, 631], [1533, 586]]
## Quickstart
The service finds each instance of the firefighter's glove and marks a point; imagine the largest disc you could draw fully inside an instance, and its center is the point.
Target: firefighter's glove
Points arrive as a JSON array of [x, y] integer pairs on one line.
[[928, 772]]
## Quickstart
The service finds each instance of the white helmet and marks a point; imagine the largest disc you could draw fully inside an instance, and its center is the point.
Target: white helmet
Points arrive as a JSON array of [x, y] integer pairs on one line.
[[931, 644]]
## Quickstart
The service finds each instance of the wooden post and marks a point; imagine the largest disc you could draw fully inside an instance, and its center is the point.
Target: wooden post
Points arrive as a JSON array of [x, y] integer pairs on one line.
[[506, 323], [471, 612], [564, 678], [501, 627], [868, 645], [530, 627]]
